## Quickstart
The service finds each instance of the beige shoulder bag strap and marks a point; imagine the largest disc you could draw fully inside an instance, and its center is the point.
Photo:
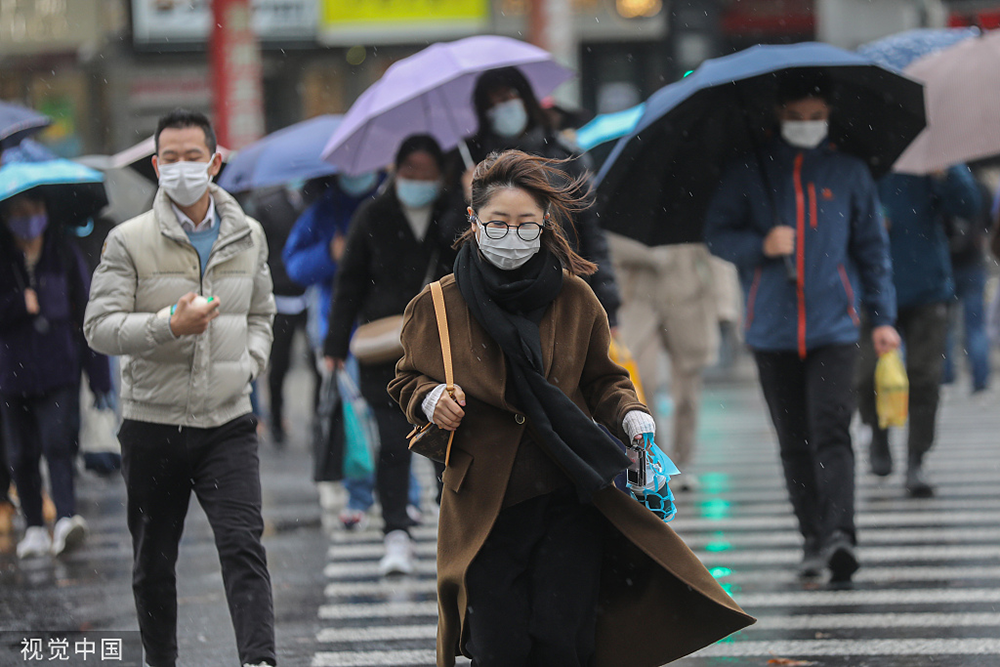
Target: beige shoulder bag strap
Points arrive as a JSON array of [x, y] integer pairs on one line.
[[437, 294]]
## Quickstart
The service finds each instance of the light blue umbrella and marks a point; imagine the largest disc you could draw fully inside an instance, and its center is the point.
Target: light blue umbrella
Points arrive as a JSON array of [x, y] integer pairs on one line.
[[899, 50], [287, 155], [609, 126], [73, 192]]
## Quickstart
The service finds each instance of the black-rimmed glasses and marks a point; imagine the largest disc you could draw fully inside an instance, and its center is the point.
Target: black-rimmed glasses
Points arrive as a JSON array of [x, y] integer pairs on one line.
[[527, 231]]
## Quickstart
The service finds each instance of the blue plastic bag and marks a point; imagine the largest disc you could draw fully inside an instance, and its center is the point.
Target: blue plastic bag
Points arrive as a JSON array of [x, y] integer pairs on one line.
[[361, 439], [657, 496]]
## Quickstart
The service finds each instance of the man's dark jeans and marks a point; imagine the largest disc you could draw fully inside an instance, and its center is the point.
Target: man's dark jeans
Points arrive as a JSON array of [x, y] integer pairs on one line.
[[162, 465], [811, 401], [923, 330]]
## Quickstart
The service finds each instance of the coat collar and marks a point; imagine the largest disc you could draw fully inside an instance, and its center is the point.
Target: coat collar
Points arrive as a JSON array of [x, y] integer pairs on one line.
[[232, 220]]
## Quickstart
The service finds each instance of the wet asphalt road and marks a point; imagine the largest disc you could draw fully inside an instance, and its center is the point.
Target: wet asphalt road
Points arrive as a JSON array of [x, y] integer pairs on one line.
[[927, 594]]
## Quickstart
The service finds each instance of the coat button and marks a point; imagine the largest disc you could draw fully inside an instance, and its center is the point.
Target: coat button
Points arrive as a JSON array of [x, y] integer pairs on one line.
[[519, 419]]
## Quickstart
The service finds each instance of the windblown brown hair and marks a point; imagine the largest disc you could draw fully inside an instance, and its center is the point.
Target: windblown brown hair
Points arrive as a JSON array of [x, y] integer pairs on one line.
[[555, 194]]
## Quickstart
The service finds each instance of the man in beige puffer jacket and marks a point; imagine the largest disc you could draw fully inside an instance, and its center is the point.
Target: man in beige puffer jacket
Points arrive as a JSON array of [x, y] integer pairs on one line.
[[187, 364]]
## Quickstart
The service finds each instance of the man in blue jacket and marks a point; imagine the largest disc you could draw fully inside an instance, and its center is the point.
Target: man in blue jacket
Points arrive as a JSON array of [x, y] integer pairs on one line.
[[916, 208], [813, 212]]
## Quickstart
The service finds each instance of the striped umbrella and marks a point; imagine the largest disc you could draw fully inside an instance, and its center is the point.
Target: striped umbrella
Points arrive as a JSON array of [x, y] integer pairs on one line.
[[962, 89]]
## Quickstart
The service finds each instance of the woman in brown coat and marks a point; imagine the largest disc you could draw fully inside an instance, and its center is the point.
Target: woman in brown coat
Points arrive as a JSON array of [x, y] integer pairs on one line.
[[541, 560]]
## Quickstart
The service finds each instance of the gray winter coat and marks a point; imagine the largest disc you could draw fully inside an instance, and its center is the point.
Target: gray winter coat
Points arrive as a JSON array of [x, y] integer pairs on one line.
[[148, 263]]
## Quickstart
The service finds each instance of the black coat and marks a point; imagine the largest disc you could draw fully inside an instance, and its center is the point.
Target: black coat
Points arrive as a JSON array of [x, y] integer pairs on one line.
[[277, 214], [384, 266], [588, 239]]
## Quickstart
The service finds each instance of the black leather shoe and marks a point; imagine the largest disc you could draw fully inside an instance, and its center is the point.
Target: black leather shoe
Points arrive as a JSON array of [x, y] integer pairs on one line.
[[879, 455], [841, 558], [916, 483]]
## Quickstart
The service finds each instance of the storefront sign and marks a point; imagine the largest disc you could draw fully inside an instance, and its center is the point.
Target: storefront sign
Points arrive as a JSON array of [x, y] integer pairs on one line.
[[189, 21], [355, 21]]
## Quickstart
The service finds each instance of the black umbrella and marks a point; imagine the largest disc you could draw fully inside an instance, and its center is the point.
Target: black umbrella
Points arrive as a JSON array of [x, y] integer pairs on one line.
[[656, 185]]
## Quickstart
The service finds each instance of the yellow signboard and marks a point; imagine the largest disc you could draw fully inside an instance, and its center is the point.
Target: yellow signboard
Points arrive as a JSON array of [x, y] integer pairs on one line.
[[384, 19]]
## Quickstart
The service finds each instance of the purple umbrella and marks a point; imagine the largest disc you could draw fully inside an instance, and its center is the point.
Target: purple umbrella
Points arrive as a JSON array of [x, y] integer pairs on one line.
[[431, 93]]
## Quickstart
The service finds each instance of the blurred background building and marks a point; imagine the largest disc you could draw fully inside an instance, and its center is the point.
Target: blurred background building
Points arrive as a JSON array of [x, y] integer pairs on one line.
[[106, 69]]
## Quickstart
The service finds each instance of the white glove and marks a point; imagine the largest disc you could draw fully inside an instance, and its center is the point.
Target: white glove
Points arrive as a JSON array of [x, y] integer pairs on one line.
[[636, 423], [431, 400]]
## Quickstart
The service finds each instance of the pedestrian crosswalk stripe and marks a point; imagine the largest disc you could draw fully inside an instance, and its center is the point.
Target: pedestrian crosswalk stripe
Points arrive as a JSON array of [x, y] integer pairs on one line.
[[379, 610], [367, 568], [921, 596], [865, 554], [791, 538], [373, 659], [879, 520], [380, 587], [848, 647], [822, 622], [894, 575], [375, 634]]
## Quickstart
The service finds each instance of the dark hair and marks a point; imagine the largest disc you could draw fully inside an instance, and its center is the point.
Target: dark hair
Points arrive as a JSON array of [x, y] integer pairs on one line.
[[505, 77], [420, 143], [799, 84], [181, 118], [538, 177]]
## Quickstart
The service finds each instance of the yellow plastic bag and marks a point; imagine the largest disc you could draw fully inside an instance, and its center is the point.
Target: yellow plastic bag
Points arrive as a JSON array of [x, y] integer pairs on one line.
[[621, 356], [892, 390]]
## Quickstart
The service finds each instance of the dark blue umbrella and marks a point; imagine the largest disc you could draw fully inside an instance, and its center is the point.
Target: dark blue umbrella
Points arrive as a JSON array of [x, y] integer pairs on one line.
[[656, 185], [17, 123], [290, 154], [899, 50]]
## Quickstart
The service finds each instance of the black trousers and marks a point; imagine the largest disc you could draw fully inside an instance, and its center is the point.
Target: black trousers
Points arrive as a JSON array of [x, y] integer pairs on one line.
[[924, 330], [811, 401], [162, 465], [46, 425], [392, 474], [285, 327], [534, 586], [4, 466]]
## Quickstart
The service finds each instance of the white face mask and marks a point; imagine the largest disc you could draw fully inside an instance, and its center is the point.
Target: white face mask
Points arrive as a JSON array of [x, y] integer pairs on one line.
[[804, 133], [508, 119], [507, 253], [185, 182]]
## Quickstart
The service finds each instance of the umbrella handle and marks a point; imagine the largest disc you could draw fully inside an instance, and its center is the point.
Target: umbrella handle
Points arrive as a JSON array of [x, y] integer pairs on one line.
[[463, 149], [790, 271]]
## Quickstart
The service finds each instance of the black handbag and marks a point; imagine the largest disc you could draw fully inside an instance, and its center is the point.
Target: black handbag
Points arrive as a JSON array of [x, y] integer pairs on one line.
[[431, 440]]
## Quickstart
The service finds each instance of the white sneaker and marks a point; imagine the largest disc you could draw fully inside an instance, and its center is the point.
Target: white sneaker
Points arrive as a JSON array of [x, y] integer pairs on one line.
[[398, 557], [68, 533], [36, 542]]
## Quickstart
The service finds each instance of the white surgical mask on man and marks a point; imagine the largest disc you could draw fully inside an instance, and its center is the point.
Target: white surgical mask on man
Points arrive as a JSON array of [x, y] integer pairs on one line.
[[185, 182], [507, 253], [508, 119], [804, 133]]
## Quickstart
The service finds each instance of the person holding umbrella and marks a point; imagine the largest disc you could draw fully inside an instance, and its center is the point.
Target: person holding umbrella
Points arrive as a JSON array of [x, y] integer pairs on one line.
[[803, 205], [395, 246], [44, 286], [510, 117]]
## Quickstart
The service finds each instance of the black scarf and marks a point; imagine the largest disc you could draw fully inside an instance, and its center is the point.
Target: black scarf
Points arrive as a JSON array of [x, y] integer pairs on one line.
[[509, 305]]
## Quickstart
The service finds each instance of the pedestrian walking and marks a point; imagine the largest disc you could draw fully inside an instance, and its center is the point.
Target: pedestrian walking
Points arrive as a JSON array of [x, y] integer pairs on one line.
[[510, 117], [802, 205], [967, 240], [395, 246], [277, 209], [916, 208], [186, 370], [670, 306], [44, 285], [536, 546]]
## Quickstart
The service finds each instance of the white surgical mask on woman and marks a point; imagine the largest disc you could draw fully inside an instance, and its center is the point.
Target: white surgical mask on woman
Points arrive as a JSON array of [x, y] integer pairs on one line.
[[507, 253], [508, 119], [804, 133], [185, 182]]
